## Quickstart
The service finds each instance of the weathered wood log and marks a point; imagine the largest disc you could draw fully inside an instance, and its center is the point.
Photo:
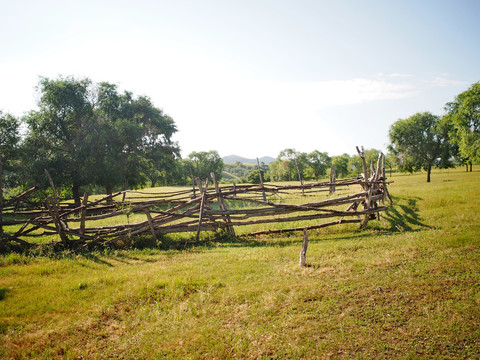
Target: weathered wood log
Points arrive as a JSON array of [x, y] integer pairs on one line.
[[222, 205], [59, 225], [202, 207], [83, 213], [21, 196], [150, 223], [261, 180], [311, 227]]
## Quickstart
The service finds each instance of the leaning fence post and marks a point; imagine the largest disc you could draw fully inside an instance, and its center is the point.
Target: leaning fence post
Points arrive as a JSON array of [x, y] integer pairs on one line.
[[222, 205], [261, 180], [202, 207], [83, 213], [303, 252], [150, 224]]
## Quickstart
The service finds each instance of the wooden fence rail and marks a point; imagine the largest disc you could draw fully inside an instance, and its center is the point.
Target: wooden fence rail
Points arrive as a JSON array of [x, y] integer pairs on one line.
[[208, 208]]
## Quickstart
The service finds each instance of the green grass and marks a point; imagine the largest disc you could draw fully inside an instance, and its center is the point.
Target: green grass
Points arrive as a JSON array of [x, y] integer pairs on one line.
[[406, 287]]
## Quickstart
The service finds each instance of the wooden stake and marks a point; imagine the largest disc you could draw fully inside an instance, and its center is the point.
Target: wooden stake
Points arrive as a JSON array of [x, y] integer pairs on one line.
[[53, 210], [222, 205], [303, 252], [202, 207], [150, 223], [261, 180], [83, 213], [53, 187]]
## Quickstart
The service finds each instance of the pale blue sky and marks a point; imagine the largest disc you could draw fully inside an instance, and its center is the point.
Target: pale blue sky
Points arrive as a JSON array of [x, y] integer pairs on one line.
[[252, 77]]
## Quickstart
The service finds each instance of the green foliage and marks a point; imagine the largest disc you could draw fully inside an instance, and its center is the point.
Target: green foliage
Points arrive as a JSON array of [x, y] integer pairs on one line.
[[61, 133], [355, 164], [9, 142], [421, 142], [9, 135], [201, 164], [464, 115], [87, 134], [241, 170], [340, 163], [135, 141], [254, 178], [319, 163]]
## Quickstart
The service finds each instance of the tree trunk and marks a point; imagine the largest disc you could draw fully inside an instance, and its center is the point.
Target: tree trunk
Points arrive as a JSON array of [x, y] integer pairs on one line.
[[109, 191], [466, 167], [76, 194], [429, 170], [470, 167]]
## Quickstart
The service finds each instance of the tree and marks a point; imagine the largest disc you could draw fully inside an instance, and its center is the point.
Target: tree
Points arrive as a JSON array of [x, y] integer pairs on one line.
[[201, 164], [87, 134], [9, 139], [464, 115], [253, 176], [284, 168], [421, 142], [60, 132], [135, 139], [319, 162], [355, 163], [340, 162]]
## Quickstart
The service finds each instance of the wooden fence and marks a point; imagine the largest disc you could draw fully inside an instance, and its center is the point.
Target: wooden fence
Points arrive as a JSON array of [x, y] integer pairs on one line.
[[204, 208]]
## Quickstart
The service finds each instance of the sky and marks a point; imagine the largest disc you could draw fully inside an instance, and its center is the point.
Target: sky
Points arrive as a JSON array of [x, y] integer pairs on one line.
[[252, 77]]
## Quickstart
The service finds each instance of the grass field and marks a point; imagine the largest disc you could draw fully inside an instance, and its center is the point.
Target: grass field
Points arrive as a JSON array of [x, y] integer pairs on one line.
[[405, 287]]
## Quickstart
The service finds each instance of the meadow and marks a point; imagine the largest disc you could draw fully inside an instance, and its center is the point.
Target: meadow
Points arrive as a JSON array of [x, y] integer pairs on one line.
[[407, 286]]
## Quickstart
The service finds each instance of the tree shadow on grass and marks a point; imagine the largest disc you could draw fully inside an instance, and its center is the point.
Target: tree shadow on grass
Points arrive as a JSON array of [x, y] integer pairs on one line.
[[403, 215]]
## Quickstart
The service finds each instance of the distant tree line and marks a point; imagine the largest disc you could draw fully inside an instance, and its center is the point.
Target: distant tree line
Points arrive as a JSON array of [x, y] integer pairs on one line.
[[93, 137]]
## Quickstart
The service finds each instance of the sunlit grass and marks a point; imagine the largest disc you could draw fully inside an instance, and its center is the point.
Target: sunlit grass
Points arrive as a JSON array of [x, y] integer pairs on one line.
[[406, 287]]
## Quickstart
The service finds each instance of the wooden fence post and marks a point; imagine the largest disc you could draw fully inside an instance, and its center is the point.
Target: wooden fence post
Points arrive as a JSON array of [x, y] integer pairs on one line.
[[303, 252], [150, 223], [222, 205], [53, 211], [83, 213], [261, 180], [202, 207], [333, 176]]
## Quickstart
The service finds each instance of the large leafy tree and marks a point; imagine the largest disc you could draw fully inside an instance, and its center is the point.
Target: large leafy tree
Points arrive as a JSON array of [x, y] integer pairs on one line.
[[464, 115], [319, 163], [9, 139], [284, 167], [61, 132], [87, 134], [201, 164], [135, 140], [421, 142], [340, 163]]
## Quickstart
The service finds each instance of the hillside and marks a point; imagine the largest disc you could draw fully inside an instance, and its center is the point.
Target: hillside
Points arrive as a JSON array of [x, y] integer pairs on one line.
[[236, 158]]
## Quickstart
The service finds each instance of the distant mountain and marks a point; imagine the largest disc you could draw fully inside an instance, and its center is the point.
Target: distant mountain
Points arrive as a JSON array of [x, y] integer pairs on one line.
[[235, 158]]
